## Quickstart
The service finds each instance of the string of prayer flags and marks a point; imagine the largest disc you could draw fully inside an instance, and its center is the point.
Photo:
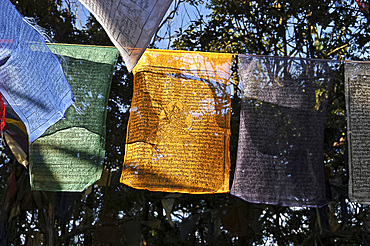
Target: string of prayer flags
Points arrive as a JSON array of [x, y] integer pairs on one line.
[[357, 89], [32, 79], [179, 126], [280, 151], [69, 156], [130, 24]]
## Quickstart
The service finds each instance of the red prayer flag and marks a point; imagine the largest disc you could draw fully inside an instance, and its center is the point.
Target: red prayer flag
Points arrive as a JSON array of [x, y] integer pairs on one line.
[[2, 114]]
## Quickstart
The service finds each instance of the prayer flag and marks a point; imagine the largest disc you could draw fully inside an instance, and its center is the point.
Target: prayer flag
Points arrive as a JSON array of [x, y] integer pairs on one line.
[[69, 156], [179, 126], [2, 114], [32, 79], [15, 134], [280, 156], [357, 89], [129, 24]]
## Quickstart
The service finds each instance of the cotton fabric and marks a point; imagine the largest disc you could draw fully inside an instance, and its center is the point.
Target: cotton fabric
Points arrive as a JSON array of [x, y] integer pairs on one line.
[[69, 156], [179, 126], [32, 79], [2, 114], [357, 89], [129, 24], [16, 137], [280, 157]]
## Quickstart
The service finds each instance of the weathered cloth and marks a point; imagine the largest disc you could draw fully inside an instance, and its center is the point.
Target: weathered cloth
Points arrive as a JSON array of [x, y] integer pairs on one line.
[[32, 79], [2, 114], [16, 137], [179, 126], [69, 156], [281, 136], [357, 88], [129, 24]]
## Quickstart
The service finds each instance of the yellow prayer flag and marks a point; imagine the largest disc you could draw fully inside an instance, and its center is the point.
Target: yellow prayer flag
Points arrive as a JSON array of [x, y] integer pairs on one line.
[[179, 127]]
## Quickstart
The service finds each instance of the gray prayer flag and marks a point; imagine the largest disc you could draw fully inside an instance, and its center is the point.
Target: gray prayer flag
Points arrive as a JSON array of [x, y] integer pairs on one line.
[[281, 137], [357, 88]]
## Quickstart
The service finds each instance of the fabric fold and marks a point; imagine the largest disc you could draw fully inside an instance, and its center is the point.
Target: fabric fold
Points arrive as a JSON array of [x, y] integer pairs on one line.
[[16, 137], [280, 156], [179, 126], [32, 77]]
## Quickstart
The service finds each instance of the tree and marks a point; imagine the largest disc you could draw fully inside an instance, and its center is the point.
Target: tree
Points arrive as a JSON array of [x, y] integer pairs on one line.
[[315, 29], [312, 29]]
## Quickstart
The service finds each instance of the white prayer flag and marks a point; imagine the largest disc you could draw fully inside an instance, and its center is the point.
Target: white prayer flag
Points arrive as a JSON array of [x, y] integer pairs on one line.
[[129, 24]]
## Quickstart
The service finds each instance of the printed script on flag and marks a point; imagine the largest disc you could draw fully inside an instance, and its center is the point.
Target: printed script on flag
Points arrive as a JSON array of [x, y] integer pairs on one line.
[[69, 155], [357, 88], [280, 157], [129, 24], [32, 78], [179, 127]]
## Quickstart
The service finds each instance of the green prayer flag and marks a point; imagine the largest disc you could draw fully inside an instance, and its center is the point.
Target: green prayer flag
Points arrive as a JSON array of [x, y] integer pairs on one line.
[[69, 155]]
